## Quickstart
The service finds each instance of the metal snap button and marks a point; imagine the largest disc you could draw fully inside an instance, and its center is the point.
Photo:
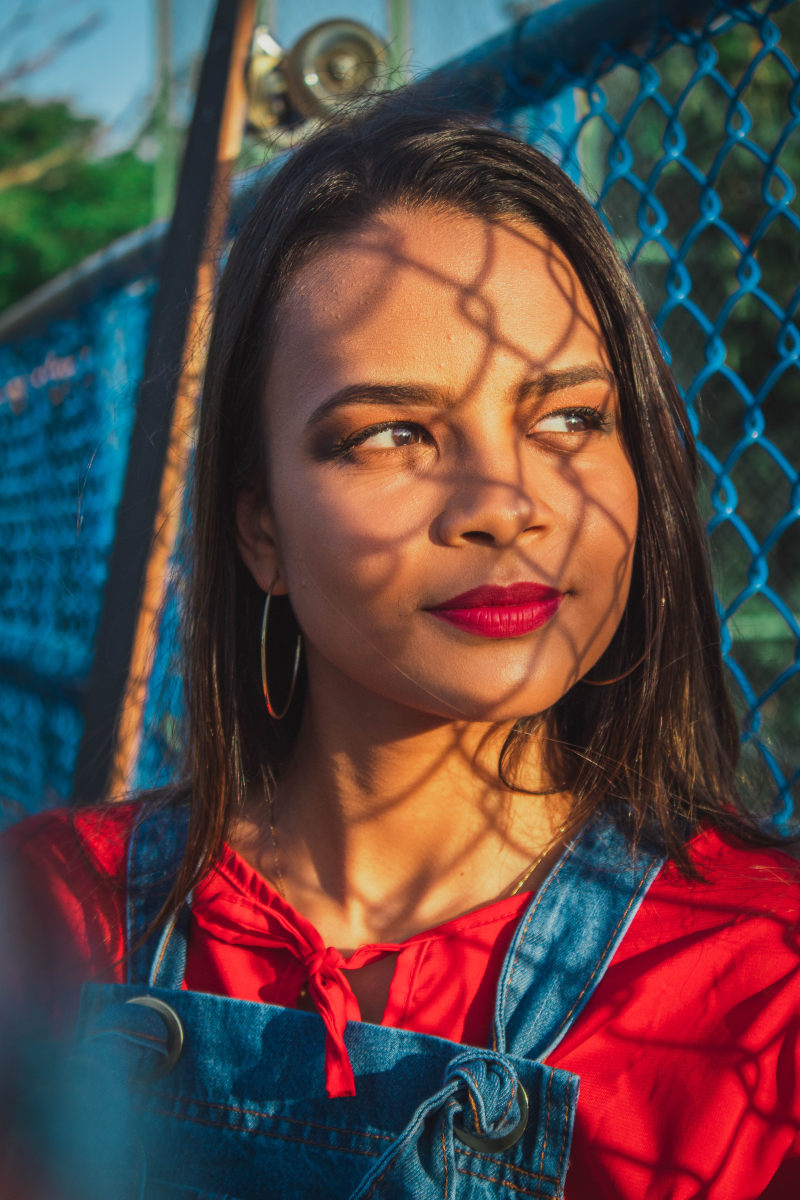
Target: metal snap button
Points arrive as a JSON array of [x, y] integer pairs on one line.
[[493, 1145], [174, 1039]]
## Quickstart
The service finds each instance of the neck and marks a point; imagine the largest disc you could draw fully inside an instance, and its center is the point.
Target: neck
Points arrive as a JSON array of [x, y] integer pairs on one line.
[[388, 822]]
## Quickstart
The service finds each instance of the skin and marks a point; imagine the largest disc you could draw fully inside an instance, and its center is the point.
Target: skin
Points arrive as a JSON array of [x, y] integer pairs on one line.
[[503, 463]]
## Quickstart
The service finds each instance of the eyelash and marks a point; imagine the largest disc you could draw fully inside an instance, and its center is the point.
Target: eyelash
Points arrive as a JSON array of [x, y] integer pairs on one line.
[[354, 440], [597, 421]]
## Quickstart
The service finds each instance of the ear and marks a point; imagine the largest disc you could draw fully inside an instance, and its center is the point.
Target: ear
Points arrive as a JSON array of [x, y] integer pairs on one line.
[[255, 538]]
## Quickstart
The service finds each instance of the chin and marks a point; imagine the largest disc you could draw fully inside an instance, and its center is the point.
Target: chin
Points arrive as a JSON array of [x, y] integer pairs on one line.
[[491, 706]]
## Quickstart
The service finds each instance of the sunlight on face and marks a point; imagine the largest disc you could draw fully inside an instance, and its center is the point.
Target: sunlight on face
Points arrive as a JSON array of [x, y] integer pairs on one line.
[[442, 424]]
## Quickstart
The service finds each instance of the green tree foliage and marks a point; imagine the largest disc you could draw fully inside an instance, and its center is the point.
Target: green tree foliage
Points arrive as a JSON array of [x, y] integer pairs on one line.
[[59, 203]]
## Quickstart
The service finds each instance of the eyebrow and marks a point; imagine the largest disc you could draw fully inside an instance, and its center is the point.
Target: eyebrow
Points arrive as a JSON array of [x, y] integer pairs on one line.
[[426, 395]]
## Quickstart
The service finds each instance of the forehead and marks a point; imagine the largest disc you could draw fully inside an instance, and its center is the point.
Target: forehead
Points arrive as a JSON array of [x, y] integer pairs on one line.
[[432, 295]]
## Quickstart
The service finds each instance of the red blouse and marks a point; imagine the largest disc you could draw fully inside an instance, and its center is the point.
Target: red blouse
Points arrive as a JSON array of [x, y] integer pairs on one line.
[[247, 941], [688, 1051]]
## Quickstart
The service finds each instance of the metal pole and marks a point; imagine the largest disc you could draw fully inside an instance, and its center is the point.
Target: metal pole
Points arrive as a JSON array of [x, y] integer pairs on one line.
[[149, 511], [399, 45], [164, 130]]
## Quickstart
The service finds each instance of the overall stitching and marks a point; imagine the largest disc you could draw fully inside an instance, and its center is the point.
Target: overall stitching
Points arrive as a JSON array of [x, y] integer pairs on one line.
[[540, 895], [564, 1136], [444, 1160], [475, 1114], [546, 1125], [382, 1175], [379, 1179], [257, 1112], [266, 1133], [503, 1114], [538, 1176], [160, 959], [506, 1183], [655, 867]]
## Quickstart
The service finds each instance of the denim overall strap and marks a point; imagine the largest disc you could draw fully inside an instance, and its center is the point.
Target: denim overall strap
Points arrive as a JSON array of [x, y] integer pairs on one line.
[[567, 938], [154, 854], [186, 1095]]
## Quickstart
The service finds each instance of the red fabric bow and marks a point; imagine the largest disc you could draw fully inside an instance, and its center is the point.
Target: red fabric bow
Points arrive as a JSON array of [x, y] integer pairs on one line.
[[236, 920]]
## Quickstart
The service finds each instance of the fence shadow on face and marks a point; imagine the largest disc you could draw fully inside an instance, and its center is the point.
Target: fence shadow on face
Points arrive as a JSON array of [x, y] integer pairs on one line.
[[442, 415]]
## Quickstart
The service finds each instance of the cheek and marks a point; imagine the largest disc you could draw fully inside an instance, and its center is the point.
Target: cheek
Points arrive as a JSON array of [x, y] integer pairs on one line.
[[612, 522], [353, 541], [609, 538], [601, 556], [591, 512]]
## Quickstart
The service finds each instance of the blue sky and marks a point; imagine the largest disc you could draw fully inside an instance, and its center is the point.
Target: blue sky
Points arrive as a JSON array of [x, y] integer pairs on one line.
[[109, 73]]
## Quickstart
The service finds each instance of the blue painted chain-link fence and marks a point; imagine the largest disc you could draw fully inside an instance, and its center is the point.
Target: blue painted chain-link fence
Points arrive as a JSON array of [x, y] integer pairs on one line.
[[691, 146], [689, 142], [67, 398]]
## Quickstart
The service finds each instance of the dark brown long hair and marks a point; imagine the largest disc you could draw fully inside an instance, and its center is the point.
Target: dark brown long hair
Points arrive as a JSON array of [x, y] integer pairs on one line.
[[660, 746]]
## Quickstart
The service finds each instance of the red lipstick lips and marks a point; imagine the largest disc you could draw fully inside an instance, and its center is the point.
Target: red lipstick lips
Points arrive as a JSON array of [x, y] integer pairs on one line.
[[501, 612]]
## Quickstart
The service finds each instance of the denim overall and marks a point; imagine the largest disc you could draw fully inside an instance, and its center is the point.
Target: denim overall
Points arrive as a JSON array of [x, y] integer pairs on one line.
[[182, 1094]]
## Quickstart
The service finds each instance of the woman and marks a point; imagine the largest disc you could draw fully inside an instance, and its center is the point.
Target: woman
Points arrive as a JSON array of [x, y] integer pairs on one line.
[[462, 774]]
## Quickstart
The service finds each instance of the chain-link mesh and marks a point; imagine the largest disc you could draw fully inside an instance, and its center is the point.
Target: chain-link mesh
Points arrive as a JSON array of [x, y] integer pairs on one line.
[[690, 147], [66, 410], [689, 144]]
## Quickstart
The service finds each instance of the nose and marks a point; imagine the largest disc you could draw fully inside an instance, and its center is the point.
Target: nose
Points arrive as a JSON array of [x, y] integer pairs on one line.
[[484, 508]]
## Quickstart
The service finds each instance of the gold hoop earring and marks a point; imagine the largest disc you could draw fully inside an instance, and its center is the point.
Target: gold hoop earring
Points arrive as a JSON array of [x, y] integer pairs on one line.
[[273, 712]]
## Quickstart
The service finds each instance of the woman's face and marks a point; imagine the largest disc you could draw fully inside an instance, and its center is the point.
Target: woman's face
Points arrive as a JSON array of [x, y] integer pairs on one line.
[[451, 508]]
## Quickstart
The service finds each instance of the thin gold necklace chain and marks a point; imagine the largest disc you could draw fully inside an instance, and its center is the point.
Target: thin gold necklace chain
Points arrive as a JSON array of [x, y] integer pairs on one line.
[[537, 862], [515, 890]]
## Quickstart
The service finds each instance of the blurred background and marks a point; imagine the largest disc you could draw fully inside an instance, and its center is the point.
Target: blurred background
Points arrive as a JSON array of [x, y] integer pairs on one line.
[[679, 119], [97, 98]]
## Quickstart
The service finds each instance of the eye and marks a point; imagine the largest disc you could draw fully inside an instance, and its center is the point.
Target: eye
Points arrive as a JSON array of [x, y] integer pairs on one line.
[[571, 421], [389, 435]]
